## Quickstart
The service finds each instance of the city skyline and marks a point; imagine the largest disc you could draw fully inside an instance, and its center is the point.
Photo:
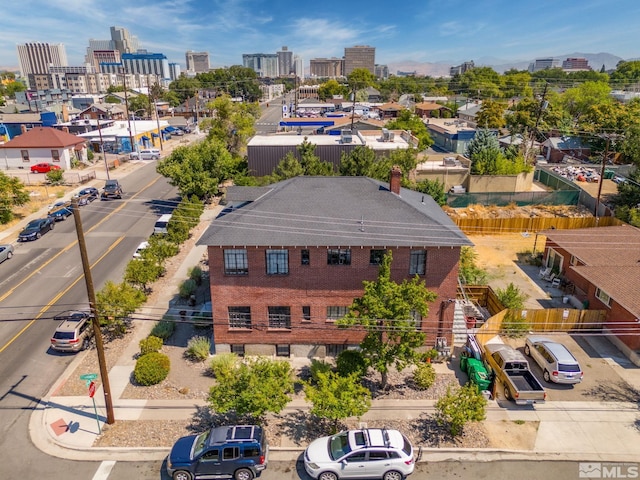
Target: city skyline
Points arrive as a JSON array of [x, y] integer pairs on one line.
[[420, 31]]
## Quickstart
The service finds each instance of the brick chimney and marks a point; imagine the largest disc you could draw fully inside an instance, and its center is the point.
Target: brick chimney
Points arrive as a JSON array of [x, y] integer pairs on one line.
[[394, 179]]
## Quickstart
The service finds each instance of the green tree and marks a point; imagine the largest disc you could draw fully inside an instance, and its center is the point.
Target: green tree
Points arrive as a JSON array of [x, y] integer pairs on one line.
[[491, 115], [235, 81], [578, 100], [12, 194], [55, 177], [512, 297], [114, 304], [469, 272], [335, 397], [233, 123], [386, 312], [407, 120], [252, 388], [460, 406], [139, 104], [481, 82], [310, 162], [433, 188], [198, 169], [184, 87], [627, 73], [629, 191], [141, 272], [288, 167], [331, 88], [357, 162]]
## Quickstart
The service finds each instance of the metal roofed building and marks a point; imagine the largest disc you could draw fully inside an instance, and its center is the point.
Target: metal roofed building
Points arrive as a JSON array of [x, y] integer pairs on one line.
[[290, 259], [264, 152]]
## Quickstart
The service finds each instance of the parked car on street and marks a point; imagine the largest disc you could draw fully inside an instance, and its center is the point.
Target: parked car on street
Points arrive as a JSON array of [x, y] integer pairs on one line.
[[6, 252], [43, 167], [74, 333], [60, 214], [239, 452], [141, 247], [368, 453], [556, 361], [112, 189], [87, 195], [35, 229]]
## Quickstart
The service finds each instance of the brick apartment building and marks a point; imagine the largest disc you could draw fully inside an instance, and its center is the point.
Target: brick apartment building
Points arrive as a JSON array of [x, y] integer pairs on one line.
[[287, 260]]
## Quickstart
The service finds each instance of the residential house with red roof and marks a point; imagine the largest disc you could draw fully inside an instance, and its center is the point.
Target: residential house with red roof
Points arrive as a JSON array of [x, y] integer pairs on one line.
[[42, 145], [602, 265]]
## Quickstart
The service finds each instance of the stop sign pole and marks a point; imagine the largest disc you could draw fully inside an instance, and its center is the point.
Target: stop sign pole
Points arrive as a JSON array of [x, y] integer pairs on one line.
[[92, 392]]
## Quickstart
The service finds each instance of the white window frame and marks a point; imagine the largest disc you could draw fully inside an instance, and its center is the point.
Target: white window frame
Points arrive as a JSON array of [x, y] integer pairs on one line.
[[603, 296]]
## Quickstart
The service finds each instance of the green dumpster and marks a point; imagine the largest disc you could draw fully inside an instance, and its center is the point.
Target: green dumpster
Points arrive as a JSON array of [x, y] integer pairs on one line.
[[478, 374], [608, 174]]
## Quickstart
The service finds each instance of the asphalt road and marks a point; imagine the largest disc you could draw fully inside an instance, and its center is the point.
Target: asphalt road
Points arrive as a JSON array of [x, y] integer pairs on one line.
[[44, 278]]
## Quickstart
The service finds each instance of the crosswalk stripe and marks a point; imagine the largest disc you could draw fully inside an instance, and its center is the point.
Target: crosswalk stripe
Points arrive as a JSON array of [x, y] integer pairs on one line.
[[104, 470]]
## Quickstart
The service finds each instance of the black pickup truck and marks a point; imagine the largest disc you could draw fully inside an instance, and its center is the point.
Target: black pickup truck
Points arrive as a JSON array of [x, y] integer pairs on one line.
[[112, 189]]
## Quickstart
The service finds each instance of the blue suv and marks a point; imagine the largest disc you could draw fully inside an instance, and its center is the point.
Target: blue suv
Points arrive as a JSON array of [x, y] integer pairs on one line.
[[239, 452]]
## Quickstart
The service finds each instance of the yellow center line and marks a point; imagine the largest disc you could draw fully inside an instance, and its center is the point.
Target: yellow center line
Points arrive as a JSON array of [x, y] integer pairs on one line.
[[52, 302], [74, 243]]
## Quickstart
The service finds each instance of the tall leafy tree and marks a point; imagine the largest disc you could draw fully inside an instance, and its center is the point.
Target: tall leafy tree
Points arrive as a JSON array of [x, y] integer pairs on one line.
[[233, 123], [184, 87], [433, 188], [357, 162], [114, 304], [331, 88], [408, 120], [12, 194], [288, 167], [386, 311], [491, 114], [252, 388], [335, 397]]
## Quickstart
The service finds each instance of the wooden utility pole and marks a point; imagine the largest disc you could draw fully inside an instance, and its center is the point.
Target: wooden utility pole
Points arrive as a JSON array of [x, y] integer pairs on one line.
[[601, 181], [104, 374]]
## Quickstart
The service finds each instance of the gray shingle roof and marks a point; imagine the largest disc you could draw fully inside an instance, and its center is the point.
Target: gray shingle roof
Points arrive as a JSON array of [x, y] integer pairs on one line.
[[335, 211]]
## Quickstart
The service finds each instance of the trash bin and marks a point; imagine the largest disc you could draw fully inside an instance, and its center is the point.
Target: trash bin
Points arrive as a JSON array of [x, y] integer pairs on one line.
[[608, 174], [565, 299]]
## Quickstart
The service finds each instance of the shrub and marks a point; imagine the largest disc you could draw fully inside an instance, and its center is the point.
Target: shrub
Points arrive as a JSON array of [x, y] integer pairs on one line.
[[223, 364], [151, 368], [163, 329], [198, 348], [150, 344], [512, 297], [187, 288], [460, 406], [351, 361], [56, 177], [424, 375], [195, 274], [319, 366]]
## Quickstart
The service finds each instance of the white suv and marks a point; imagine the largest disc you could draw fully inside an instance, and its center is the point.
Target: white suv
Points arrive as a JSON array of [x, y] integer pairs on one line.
[[367, 453]]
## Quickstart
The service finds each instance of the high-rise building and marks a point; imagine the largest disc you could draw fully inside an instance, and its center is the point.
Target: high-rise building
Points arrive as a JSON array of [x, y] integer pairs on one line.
[[36, 58], [123, 41], [298, 66], [197, 62], [359, 56], [264, 64], [574, 63], [326, 67], [174, 71], [460, 69], [142, 63], [382, 72], [285, 62], [544, 64]]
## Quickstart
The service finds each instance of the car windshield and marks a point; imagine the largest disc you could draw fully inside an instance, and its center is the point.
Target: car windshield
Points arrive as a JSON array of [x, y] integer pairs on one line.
[[339, 445], [569, 367], [33, 226], [199, 444]]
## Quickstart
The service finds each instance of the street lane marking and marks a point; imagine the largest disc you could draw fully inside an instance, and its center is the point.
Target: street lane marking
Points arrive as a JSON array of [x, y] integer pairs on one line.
[[59, 295], [104, 470], [75, 242]]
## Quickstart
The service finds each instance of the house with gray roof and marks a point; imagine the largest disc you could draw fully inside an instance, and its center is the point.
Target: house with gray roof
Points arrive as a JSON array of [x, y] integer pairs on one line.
[[287, 260], [601, 266]]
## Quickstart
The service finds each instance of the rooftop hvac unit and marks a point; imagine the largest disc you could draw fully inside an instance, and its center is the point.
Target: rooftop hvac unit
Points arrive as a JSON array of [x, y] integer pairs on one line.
[[346, 136], [385, 135]]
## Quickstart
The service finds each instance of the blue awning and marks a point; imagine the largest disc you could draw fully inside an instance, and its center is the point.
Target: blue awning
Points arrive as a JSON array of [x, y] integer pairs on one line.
[[144, 137], [154, 134]]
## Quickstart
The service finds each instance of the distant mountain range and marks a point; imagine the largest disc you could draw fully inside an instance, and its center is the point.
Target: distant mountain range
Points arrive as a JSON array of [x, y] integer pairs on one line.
[[441, 69]]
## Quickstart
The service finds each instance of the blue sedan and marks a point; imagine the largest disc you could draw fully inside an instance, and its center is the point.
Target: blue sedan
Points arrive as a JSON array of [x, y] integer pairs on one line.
[[35, 229]]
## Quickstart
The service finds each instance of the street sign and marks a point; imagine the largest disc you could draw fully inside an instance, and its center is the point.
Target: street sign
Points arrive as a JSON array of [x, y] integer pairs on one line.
[[89, 377], [92, 389]]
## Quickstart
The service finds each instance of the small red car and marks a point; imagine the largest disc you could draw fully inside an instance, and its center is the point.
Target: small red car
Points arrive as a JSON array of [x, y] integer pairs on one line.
[[43, 167]]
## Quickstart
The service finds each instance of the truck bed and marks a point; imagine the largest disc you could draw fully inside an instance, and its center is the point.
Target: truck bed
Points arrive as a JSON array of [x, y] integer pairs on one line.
[[525, 382]]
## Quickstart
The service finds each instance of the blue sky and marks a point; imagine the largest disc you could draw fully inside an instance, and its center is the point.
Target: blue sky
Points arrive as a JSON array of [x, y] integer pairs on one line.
[[449, 31]]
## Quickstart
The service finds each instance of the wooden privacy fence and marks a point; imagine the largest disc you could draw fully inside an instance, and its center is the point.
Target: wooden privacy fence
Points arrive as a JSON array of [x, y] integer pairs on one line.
[[484, 296], [543, 320], [493, 226]]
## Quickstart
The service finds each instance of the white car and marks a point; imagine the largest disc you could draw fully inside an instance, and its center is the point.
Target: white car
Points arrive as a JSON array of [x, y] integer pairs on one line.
[[141, 247], [368, 453]]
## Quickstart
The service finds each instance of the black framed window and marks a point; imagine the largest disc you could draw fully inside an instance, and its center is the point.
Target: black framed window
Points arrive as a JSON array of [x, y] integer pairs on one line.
[[283, 350], [280, 317], [235, 261], [339, 256], [277, 262], [417, 262], [305, 259], [376, 256], [239, 317], [306, 313], [238, 350]]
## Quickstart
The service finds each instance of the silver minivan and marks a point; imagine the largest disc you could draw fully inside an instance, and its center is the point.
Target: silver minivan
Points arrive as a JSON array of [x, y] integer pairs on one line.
[[160, 227], [146, 154], [556, 361]]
